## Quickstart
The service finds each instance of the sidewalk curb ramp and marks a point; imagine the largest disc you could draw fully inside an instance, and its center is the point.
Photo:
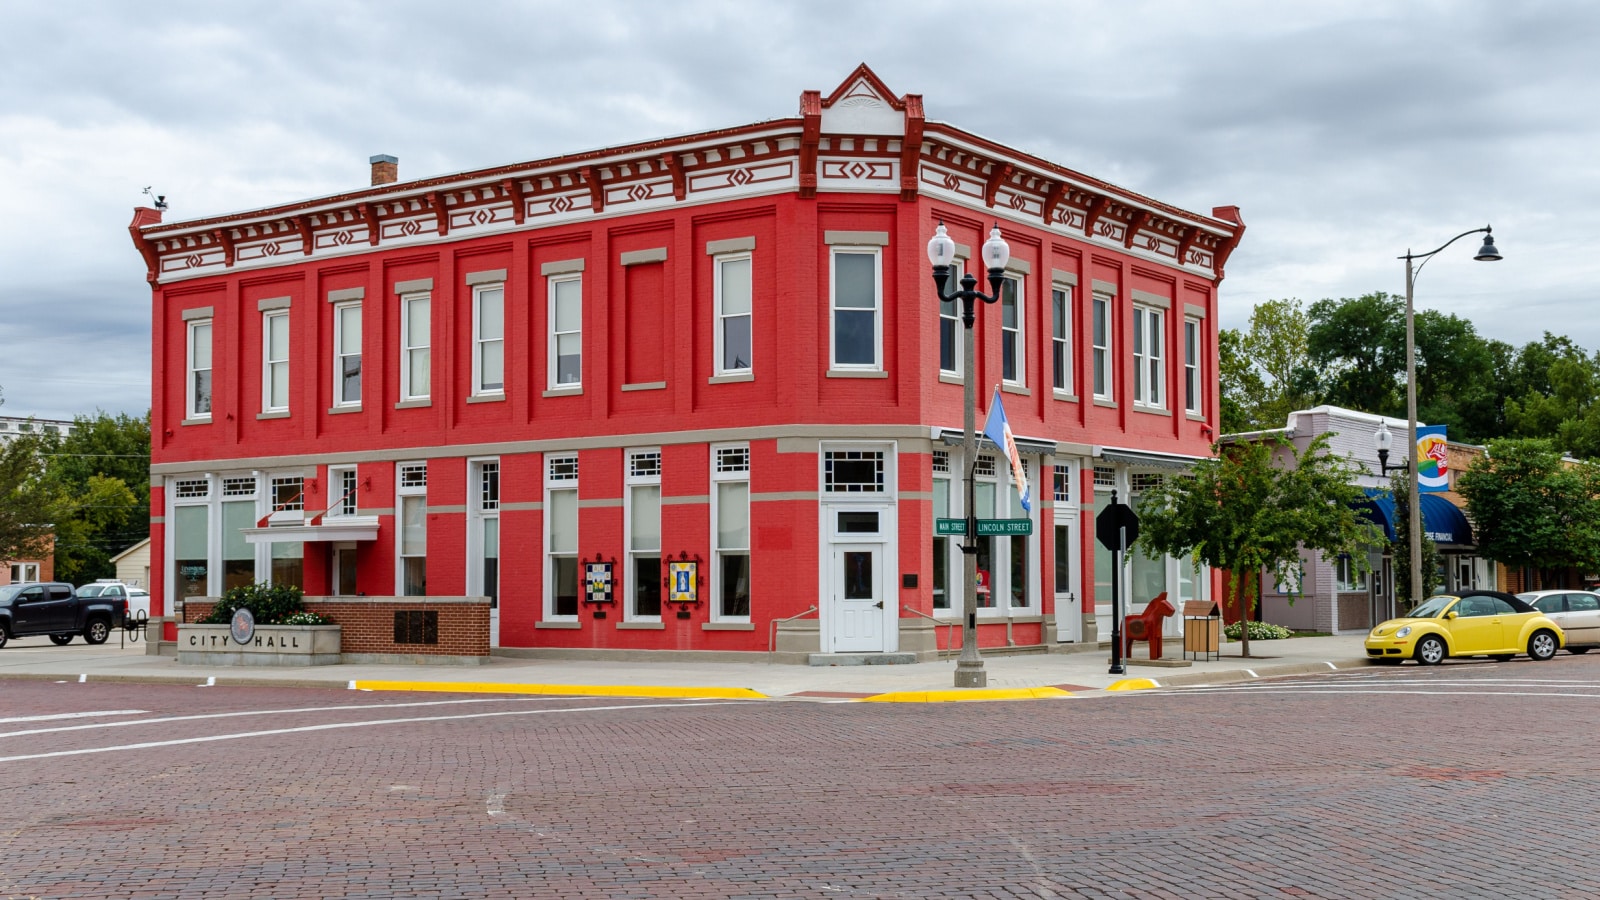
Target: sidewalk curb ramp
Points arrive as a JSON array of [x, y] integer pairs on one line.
[[961, 694]]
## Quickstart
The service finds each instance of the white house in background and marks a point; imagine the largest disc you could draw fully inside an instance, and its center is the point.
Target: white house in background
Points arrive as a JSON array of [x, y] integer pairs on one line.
[[13, 427], [1332, 596], [133, 564]]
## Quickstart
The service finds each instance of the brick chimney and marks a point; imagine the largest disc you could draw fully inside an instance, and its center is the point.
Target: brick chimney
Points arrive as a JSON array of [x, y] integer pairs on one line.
[[385, 169]]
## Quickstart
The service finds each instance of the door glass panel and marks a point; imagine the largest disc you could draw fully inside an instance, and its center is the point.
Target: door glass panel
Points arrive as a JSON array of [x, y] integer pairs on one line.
[[1063, 560], [858, 523], [858, 575]]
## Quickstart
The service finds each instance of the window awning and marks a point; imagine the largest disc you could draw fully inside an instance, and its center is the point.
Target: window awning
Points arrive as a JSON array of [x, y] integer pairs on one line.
[[1442, 521], [953, 437], [1148, 459], [332, 528]]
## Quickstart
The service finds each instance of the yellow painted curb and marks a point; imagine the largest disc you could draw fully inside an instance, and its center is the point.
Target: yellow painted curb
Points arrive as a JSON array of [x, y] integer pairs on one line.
[[578, 690], [1132, 684], [952, 696]]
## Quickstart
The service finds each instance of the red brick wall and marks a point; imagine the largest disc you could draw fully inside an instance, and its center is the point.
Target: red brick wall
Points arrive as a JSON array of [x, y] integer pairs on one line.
[[368, 627]]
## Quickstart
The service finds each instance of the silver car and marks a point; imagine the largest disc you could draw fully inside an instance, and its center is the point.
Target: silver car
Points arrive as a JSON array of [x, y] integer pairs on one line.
[[1577, 612]]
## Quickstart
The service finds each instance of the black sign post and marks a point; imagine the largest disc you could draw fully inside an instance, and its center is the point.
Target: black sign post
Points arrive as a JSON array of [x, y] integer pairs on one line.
[[1116, 527]]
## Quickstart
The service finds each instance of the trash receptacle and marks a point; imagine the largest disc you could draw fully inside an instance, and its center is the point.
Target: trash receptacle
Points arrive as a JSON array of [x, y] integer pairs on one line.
[[1202, 630]]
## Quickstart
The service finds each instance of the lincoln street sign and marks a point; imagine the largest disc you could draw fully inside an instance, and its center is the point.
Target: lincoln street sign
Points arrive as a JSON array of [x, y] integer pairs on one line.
[[1000, 527]]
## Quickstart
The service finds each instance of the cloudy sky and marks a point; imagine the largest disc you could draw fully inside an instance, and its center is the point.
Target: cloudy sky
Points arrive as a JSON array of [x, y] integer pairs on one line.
[[1347, 132]]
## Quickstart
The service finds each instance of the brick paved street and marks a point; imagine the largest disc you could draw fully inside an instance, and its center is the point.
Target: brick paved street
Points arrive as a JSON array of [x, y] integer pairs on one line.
[[1469, 780]]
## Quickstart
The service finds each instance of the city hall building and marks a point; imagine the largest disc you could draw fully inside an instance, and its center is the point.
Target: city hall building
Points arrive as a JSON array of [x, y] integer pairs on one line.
[[686, 394]]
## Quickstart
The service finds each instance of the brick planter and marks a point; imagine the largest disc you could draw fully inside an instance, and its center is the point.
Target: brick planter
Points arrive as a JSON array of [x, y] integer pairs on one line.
[[417, 630], [273, 645]]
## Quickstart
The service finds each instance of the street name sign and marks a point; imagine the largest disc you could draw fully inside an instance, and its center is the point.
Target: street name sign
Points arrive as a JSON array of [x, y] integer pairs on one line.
[[950, 526], [1005, 526]]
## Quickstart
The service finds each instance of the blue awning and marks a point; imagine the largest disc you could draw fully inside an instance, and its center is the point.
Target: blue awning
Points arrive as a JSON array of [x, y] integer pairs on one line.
[[1442, 521]]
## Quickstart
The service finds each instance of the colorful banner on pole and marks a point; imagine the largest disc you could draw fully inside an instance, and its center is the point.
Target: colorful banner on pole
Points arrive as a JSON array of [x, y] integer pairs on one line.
[[1433, 469], [998, 429]]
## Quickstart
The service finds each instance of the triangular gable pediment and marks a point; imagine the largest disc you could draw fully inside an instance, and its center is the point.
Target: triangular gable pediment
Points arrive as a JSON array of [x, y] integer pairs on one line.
[[863, 104]]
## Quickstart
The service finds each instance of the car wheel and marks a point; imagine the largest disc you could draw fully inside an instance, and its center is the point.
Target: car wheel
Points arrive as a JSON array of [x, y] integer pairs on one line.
[[1431, 651], [61, 640], [3, 636], [1502, 657], [1577, 649], [97, 631], [1542, 645]]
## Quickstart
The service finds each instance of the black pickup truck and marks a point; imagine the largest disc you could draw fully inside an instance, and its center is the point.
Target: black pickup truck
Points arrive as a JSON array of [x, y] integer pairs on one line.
[[56, 609]]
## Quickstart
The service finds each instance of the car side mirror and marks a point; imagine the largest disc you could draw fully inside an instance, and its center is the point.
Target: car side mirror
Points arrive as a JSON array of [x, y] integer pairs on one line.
[[1450, 615]]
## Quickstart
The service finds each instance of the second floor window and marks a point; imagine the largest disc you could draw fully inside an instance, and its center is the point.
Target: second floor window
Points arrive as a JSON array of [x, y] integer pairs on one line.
[[857, 328], [1148, 376], [566, 331], [198, 388], [733, 289], [1102, 346], [347, 354], [275, 361], [488, 326], [415, 346], [1012, 361], [1061, 339], [950, 324], [1191, 365]]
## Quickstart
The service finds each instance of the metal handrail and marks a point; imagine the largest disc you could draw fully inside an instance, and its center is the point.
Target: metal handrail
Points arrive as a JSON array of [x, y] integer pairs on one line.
[[949, 632], [772, 630]]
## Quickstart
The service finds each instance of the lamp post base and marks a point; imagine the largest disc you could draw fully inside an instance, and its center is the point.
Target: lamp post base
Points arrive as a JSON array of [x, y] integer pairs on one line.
[[970, 674]]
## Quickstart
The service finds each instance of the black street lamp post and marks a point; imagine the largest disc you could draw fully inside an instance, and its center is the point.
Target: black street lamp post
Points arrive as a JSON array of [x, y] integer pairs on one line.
[[942, 252]]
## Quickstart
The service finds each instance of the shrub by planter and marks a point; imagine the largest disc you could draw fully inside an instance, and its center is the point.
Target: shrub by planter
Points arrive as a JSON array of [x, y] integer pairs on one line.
[[272, 645]]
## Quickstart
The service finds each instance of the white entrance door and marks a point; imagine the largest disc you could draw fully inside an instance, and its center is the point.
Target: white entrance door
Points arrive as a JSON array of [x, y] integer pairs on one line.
[[1069, 612], [857, 598]]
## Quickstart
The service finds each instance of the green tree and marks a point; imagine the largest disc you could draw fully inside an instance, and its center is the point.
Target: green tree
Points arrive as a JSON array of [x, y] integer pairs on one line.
[[1358, 347], [1254, 508], [1530, 509], [29, 503], [103, 468], [1461, 377], [1265, 371]]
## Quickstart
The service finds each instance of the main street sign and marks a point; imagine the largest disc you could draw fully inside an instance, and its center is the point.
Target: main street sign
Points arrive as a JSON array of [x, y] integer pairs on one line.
[[950, 526]]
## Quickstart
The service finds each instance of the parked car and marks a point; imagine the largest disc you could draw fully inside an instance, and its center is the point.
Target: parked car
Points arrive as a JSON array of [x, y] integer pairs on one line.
[[55, 609], [1577, 612], [1473, 623], [138, 598]]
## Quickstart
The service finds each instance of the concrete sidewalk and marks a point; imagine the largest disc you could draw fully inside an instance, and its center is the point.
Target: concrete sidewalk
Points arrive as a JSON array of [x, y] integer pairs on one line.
[[1010, 677]]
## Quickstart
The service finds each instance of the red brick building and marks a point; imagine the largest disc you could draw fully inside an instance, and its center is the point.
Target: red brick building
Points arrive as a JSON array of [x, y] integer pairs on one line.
[[722, 348]]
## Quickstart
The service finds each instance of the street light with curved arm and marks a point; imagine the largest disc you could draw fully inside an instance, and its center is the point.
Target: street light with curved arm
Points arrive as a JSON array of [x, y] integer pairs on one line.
[[1486, 253]]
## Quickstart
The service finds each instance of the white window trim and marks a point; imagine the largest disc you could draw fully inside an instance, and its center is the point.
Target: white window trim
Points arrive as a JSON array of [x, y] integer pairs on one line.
[[877, 310], [1101, 358], [1021, 331], [550, 291], [1148, 360], [189, 382], [550, 487], [408, 391], [339, 310], [630, 481], [715, 580], [717, 263], [336, 490], [478, 341], [268, 361], [952, 284], [401, 491], [1063, 322], [476, 516], [1191, 365], [954, 569]]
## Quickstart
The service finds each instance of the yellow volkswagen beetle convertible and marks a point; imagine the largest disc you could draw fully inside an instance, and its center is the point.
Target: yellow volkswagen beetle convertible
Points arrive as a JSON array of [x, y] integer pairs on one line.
[[1473, 623]]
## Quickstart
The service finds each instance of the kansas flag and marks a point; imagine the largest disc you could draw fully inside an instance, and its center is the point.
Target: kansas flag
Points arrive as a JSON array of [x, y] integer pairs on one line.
[[996, 428]]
